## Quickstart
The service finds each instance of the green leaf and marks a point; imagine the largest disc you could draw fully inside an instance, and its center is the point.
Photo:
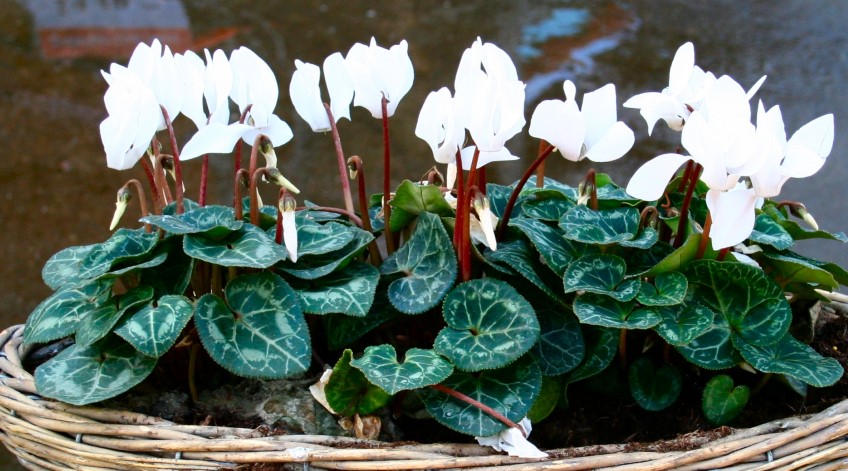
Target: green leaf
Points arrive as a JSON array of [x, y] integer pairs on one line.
[[489, 325], [212, 221], [419, 368], [713, 349], [721, 402], [349, 291], [63, 268], [428, 264], [791, 358], [551, 206], [602, 227], [99, 323], [767, 231], [640, 262], [654, 389], [601, 348], [510, 391], [342, 330], [498, 196], [125, 245], [319, 239], [595, 309], [754, 306], [311, 267], [678, 258], [174, 274], [787, 268], [668, 289], [796, 230], [154, 329], [521, 259], [682, 323], [645, 239], [59, 315], [259, 332], [560, 347], [412, 199], [602, 274], [348, 391], [557, 251], [85, 375], [548, 398], [248, 247]]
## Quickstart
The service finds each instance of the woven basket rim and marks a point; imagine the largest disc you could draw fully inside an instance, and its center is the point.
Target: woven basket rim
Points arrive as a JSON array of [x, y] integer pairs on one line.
[[50, 435]]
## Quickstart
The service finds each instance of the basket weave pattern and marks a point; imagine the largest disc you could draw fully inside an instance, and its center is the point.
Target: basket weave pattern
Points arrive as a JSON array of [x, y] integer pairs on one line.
[[49, 435]]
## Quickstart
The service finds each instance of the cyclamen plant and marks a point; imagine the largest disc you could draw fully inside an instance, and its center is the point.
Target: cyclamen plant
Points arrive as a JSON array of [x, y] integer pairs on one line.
[[493, 298]]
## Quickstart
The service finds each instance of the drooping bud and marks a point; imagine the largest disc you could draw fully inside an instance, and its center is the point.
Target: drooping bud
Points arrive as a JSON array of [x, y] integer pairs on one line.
[[484, 213], [266, 148], [286, 206], [121, 204], [583, 196], [800, 211], [274, 175]]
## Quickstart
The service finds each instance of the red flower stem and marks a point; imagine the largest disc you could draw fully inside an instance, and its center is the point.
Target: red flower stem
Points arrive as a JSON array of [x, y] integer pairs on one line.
[[481, 180], [722, 254], [278, 238], [687, 173], [647, 216], [204, 178], [161, 180], [510, 204], [254, 193], [387, 212], [465, 266], [237, 159], [483, 407], [705, 237], [355, 164], [154, 188], [175, 151], [241, 176], [353, 217], [460, 194], [142, 201], [337, 142], [683, 222], [254, 154], [540, 169], [592, 184]]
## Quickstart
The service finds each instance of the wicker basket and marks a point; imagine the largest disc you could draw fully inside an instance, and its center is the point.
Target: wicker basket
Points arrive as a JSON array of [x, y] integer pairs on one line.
[[50, 435]]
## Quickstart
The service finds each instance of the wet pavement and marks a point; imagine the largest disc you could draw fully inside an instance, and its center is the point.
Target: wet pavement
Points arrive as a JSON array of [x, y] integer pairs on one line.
[[56, 190]]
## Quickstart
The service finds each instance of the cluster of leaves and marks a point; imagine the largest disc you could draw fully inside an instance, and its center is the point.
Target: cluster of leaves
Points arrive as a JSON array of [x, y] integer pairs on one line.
[[551, 306]]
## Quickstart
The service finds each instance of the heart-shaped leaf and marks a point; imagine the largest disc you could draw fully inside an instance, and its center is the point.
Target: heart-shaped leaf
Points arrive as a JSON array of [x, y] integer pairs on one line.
[[342, 329], [684, 322], [550, 206], [428, 263], [349, 291], [601, 274], [602, 227], [595, 309], [249, 247], [311, 267], [668, 289], [318, 239], [154, 329], [419, 368], [752, 303], [259, 332], [63, 268], [59, 315], [213, 221], [510, 391], [489, 325], [349, 392], [601, 347], [522, 260], [713, 349], [644, 239], [99, 323], [722, 402], [412, 199], [654, 389], [85, 375], [791, 358], [124, 246], [560, 347], [768, 231], [557, 251]]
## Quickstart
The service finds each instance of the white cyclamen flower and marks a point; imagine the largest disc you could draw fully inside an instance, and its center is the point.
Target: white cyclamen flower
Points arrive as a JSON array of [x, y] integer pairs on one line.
[[438, 127], [592, 132], [378, 72], [306, 94], [208, 84], [134, 116], [158, 70]]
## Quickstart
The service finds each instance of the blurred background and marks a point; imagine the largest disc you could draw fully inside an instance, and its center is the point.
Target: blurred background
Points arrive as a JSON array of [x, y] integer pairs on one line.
[[56, 191]]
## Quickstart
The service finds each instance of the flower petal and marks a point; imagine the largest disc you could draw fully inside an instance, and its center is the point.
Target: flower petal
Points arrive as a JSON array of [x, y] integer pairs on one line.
[[216, 138], [732, 214], [599, 113], [339, 85], [615, 143], [650, 180], [681, 68], [306, 96], [561, 124]]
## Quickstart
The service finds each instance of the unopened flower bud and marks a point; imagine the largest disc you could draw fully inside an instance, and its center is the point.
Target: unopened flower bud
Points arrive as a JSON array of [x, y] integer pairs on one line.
[[121, 204], [287, 205], [484, 213], [266, 148], [352, 170], [583, 194], [800, 211], [275, 176]]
